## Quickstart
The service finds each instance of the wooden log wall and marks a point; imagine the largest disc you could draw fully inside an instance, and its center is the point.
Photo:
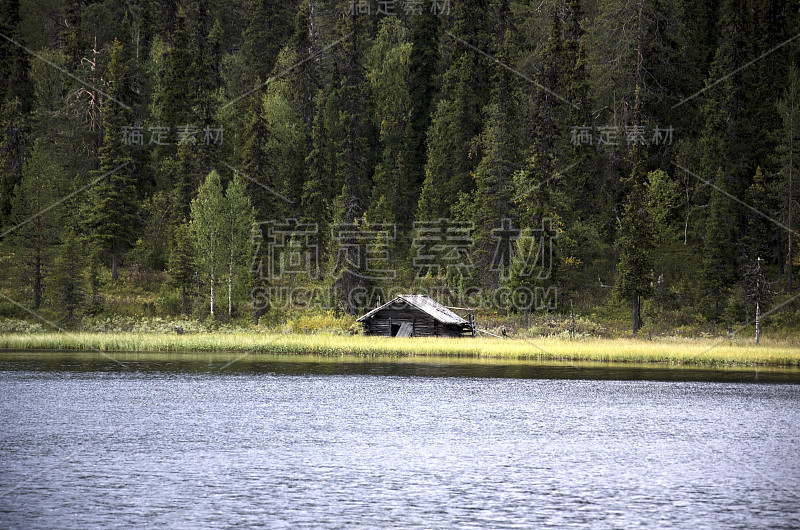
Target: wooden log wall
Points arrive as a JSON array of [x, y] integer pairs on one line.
[[424, 325]]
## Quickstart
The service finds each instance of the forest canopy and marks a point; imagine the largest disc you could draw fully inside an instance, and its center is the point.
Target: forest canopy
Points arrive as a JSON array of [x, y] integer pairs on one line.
[[513, 155]]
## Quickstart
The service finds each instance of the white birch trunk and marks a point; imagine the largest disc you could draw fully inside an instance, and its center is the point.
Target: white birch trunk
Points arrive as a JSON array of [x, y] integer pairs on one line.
[[212, 293], [230, 286]]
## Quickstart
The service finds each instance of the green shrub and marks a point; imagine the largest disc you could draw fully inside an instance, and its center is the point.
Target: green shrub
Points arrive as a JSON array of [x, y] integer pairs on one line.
[[20, 326]]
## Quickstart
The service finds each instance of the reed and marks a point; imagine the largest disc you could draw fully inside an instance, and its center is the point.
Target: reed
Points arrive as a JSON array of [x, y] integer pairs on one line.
[[668, 350]]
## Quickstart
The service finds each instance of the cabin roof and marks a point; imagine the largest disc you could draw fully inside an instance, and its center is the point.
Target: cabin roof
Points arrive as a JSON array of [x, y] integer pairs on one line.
[[424, 304]]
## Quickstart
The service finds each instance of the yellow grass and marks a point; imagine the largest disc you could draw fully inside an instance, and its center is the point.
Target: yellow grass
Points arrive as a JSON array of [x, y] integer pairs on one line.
[[676, 351]]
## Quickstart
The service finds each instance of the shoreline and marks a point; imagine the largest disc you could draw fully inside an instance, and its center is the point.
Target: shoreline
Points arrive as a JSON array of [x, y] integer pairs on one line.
[[688, 352]]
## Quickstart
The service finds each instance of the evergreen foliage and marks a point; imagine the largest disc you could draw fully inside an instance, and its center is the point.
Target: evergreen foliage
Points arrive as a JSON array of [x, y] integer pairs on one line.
[[494, 116]]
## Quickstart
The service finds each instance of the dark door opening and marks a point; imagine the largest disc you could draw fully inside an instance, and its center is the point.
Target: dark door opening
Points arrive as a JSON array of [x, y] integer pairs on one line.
[[395, 329]]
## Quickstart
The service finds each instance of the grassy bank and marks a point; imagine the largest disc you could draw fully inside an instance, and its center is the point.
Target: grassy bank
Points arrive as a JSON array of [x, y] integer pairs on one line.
[[677, 351]]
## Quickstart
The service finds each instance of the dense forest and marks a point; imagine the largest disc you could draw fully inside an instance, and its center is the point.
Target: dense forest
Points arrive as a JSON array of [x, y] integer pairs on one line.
[[210, 158]]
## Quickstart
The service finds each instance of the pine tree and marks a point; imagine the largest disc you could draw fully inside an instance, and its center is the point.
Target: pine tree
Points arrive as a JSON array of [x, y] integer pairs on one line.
[[111, 213]]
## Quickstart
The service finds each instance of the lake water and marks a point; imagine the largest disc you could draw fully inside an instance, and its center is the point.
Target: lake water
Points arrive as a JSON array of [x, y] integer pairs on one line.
[[285, 442]]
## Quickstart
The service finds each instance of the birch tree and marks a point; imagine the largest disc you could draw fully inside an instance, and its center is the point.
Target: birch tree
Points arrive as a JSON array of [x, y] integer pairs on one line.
[[208, 228], [239, 219]]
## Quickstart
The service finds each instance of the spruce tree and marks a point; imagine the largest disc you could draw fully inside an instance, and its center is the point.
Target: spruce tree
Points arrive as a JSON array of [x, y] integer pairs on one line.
[[13, 138], [457, 121], [16, 104], [276, 151], [788, 159], [540, 190], [37, 222], [320, 188], [387, 74], [717, 259], [112, 207], [269, 26], [759, 237], [719, 164], [635, 239], [635, 246], [9, 18], [500, 147], [67, 285], [307, 78], [352, 167], [583, 179], [71, 35], [187, 102], [546, 195], [423, 65], [190, 78], [182, 266]]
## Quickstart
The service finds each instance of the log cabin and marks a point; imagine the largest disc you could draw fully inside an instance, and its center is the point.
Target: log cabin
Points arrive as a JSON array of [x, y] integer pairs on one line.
[[415, 315]]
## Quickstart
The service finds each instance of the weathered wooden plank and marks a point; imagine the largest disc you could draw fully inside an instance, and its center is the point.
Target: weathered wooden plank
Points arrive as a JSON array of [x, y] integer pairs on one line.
[[406, 329]]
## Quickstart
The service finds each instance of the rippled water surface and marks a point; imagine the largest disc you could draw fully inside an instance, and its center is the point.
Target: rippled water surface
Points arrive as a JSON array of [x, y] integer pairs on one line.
[[86, 442]]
